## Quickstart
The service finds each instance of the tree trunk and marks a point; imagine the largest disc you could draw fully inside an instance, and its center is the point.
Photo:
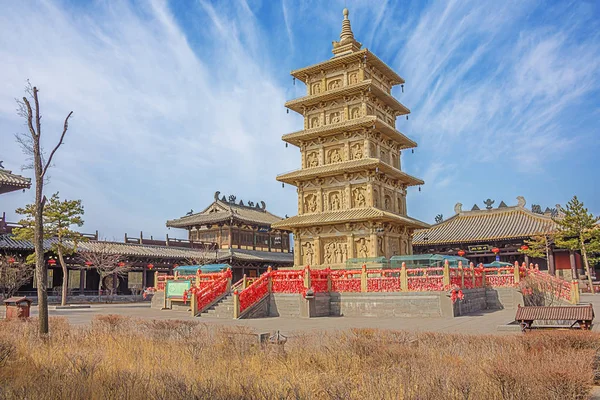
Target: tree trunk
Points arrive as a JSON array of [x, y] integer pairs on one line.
[[586, 265], [41, 269], [100, 287], [65, 282]]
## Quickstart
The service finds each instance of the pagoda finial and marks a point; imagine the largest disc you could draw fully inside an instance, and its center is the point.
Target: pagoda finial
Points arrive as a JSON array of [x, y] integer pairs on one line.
[[347, 42]]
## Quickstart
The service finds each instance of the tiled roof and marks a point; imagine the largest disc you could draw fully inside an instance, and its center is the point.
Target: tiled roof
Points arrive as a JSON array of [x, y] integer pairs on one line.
[[220, 211], [10, 181], [352, 215], [348, 166], [486, 225], [298, 104], [352, 57], [7, 242], [364, 122]]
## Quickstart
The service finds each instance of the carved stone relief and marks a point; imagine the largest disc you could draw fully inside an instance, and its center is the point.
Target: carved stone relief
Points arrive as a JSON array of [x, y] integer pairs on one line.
[[334, 118], [355, 112], [334, 156], [356, 151], [334, 84], [335, 252], [309, 254], [314, 122], [312, 160], [335, 201], [362, 248], [387, 202], [353, 78], [310, 203], [375, 198], [394, 246], [380, 246], [316, 88], [359, 197]]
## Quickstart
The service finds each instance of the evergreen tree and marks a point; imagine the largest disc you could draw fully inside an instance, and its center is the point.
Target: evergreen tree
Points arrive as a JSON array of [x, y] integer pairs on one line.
[[58, 218], [577, 230], [537, 247]]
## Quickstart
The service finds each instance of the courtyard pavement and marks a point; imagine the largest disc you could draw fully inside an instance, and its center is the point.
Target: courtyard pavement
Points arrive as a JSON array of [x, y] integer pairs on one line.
[[485, 322]]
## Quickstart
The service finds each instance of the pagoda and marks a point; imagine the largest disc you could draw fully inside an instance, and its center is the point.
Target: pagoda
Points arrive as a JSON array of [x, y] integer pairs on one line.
[[351, 188]]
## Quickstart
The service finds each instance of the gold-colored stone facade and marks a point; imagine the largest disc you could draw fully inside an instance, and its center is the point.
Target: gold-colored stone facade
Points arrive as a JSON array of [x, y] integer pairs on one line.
[[351, 190]]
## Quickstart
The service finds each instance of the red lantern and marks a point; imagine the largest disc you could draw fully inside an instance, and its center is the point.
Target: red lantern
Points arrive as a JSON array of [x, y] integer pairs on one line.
[[11, 260], [52, 261], [461, 253], [150, 266], [121, 264], [495, 250], [88, 263], [524, 247]]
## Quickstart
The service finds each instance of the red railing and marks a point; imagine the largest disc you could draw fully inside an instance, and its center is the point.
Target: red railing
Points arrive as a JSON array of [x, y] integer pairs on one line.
[[343, 280], [553, 285], [319, 279], [500, 277], [207, 291], [389, 280], [255, 292], [287, 281]]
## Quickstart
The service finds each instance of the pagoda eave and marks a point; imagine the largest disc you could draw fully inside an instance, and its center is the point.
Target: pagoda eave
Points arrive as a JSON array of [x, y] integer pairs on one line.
[[348, 216], [303, 73], [298, 105], [373, 165], [369, 121]]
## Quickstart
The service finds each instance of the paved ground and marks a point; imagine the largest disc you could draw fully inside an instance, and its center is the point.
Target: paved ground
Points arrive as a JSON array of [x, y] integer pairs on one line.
[[485, 322], [481, 323]]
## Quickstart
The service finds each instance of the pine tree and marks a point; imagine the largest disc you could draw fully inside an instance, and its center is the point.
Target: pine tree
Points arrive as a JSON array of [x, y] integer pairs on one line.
[[537, 247], [577, 230], [58, 218]]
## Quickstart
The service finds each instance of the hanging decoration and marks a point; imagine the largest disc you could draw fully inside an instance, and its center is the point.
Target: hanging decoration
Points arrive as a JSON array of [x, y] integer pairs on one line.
[[294, 81], [402, 86], [121, 264], [88, 263], [524, 247], [495, 250], [11, 260], [52, 261], [461, 253], [150, 266]]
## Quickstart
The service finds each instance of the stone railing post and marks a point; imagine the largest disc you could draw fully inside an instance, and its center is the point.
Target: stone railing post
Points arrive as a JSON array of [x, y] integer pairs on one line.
[[363, 279], [574, 292], [194, 305], [483, 282], [270, 285], [244, 282], [517, 272], [472, 268], [446, 278], [462, 274], [328, 280], [403, 278], [236, 305], [307, 277]]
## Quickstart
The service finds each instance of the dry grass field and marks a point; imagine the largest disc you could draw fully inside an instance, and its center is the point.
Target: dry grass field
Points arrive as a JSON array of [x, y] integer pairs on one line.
[[122, 358]]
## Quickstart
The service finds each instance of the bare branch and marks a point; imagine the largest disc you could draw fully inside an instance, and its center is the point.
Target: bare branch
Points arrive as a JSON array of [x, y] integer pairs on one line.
[[65, 127], [29, 117]]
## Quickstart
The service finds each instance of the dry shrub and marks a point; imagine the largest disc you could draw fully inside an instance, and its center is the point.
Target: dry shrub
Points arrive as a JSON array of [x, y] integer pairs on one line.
[[125, 358]]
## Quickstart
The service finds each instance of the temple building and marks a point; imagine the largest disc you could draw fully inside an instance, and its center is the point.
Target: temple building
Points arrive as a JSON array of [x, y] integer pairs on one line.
[[242, 232], [351, 188], [10, 182], [487, 234]]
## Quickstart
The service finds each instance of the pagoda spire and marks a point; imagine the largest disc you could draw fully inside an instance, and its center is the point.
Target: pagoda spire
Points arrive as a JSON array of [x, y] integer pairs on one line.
[[347, 43]]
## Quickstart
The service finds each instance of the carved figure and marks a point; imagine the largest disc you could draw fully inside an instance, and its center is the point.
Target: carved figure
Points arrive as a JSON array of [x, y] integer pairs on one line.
[[334, 156], [344, 252], [357, 151], [334, 118], [355, 113], [329, 253], [334, 85], [313, 160], [314, 122], [387, 203], [317, 88], [353, 78], [337, 252], [380, 245], [488, 204], [359, 198], [308, 254], [311, 203], [335, 202], [439, 218], [363, 249]]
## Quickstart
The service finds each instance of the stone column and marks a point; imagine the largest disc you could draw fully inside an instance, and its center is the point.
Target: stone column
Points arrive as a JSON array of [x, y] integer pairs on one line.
[[573, 264], [297, 249], [386, 245], [373, 239], [350, 245], [321, 156], [367, 148], [346, 151], [370, 199], [317, 249], [348, 195], [320, 200]]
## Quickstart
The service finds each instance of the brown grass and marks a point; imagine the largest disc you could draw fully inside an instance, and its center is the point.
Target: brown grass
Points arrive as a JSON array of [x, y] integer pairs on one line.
[[123, 358]]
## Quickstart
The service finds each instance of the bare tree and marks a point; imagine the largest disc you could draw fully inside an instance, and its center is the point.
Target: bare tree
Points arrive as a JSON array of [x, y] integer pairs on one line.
[[106, 260], [14, 273], [31, 144], [202, 256]]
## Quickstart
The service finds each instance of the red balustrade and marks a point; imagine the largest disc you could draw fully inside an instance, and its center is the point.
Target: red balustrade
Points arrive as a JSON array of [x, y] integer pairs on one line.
[[345, 280], [389, 280], [551, 284], [287, 281], [206, 292], [426, 283], [255, 292], [318, 280]]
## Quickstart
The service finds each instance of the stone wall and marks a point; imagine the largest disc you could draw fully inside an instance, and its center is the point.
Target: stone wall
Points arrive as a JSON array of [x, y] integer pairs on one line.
[[258, 310], [503, 298], [284, 305], [415, 304], [475, 300]]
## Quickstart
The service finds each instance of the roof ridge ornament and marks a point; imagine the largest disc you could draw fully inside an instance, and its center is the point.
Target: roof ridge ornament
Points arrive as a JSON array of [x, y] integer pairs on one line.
[[347, 43], [458, 208], [521, 201]]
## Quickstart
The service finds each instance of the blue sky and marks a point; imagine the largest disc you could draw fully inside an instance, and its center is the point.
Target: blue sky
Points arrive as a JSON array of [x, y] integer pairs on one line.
[[175, 100]]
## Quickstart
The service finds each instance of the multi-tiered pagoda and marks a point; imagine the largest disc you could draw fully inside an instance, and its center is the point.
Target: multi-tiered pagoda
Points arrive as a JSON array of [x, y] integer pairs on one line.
[[351, 188]]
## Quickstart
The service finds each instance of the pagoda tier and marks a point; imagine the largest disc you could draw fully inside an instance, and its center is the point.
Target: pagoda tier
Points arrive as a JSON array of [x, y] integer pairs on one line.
[[351, 188], [366, 122], [373, 166], [365, 90]]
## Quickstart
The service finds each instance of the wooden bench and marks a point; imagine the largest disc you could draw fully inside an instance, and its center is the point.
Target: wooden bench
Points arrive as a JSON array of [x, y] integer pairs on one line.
[[581, 315]]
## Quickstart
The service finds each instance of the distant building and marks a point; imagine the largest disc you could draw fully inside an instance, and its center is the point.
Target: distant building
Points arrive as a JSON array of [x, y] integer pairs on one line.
[[480, 231], [10, 182], [242, 233]]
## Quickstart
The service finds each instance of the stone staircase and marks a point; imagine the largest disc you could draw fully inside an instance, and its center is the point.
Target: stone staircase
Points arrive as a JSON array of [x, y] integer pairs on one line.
[[285, 305], [221, 309]]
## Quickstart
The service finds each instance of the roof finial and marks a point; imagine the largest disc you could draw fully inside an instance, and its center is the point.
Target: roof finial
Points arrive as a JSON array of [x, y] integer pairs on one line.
[[347, 42]]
